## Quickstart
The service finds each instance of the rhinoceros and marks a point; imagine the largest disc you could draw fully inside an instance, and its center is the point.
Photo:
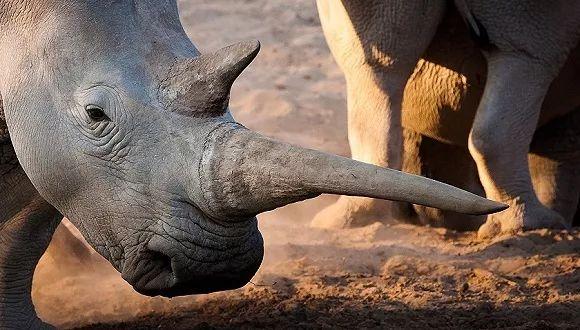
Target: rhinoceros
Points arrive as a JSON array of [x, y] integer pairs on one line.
[[112, 118], [403, 66]]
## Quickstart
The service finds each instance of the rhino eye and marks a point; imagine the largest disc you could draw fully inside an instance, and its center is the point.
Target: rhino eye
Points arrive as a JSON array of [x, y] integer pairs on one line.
[[96, 113]]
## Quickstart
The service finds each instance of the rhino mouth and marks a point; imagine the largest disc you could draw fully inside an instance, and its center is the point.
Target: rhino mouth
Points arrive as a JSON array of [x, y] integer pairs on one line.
[[172, 268], [151, 273], [163, 282]]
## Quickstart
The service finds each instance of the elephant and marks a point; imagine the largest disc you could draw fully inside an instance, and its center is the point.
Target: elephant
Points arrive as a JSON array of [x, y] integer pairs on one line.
[[467, 82], [112, 118]]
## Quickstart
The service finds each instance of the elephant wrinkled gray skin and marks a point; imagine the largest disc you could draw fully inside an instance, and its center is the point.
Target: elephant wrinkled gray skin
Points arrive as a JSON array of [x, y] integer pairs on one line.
[[112, 118], [412, 64]]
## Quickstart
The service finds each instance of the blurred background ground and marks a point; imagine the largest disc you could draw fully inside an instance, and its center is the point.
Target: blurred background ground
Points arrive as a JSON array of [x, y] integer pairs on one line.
[[379, 276]]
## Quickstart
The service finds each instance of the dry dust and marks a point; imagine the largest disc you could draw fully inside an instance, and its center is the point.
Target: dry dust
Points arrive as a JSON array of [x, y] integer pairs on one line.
[[378, 276]]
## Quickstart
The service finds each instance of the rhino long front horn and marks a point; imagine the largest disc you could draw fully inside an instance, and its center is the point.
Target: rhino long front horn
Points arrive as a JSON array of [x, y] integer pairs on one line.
[[243, 173], [202, 84]]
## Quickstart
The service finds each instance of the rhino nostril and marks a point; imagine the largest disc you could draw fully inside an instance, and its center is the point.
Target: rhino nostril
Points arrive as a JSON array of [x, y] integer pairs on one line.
[[161, 261], [159, 258], [150, 272]]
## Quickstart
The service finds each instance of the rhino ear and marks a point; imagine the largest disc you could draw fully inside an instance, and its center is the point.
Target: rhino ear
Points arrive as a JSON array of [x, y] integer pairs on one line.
[[202, 85]]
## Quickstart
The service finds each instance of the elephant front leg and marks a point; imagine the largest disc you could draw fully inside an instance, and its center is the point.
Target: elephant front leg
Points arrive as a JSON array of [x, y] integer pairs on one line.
[[377, 45], [500, 140], [23, 239]]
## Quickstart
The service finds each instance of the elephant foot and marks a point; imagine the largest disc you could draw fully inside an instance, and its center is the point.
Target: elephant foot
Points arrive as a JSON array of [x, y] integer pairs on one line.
[[352, 212], [520, 217]]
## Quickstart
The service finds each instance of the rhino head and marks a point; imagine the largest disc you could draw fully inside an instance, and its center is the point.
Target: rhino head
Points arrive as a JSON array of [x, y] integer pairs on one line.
[[124, 127]]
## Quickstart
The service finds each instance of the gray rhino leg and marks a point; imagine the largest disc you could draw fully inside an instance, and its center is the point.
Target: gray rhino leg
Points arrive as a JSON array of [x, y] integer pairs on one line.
[[555, 165], [499, 141], [446, 163], [377, 45], [520, 71], [26, 226], [554, 160]]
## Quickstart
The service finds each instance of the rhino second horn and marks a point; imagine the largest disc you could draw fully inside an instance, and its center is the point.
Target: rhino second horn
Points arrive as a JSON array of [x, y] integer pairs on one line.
[[203, 84], [244, 173]]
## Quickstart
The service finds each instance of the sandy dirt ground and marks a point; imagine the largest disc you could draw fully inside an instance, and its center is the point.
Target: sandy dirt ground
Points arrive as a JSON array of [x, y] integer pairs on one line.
[[380, 276]]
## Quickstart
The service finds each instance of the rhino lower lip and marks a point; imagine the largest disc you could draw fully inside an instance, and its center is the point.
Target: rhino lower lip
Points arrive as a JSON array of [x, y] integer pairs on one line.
[[210, 284], [198, 285], [157, 271], [162, 281]]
